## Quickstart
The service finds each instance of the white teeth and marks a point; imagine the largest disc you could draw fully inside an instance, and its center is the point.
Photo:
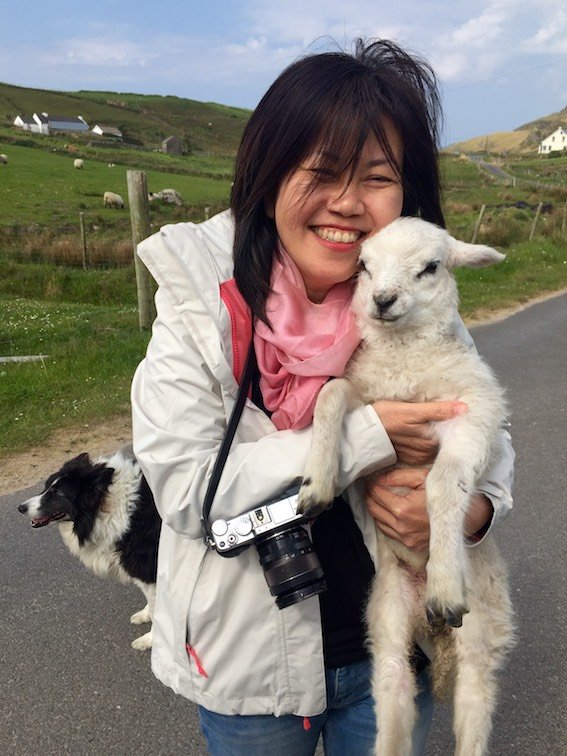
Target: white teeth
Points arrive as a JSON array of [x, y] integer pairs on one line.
[[335, 235]]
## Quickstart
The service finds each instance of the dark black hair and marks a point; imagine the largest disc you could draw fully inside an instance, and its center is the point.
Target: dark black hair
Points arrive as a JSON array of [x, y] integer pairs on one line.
[[332, 102]]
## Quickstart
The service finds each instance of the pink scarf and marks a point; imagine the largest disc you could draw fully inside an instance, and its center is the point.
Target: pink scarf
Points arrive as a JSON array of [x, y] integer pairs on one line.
[[309, 344]]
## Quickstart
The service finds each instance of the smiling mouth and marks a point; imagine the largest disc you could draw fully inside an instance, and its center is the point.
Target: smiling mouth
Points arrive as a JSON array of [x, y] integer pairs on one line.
[[328, 233]]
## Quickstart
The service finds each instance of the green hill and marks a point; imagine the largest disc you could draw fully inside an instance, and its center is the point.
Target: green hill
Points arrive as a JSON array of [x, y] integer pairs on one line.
[[204, 127]]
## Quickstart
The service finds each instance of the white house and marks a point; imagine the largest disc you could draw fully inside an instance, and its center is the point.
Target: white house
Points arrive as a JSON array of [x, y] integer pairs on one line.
[[106, 131], [554, 142], [66, 123], [42, 123], [25, 123]]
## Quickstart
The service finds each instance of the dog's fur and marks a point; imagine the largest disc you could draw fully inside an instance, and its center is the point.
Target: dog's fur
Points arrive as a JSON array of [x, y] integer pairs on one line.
[[107, 517], [405, 304]]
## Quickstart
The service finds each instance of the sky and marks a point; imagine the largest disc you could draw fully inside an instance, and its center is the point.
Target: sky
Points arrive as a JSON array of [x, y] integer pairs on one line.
[[501, 63]]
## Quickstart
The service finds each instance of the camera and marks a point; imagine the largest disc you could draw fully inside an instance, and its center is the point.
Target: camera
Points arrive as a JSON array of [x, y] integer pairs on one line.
[[291, 566]]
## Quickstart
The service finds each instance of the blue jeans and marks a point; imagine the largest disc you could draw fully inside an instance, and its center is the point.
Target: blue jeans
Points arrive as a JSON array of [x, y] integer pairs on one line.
[[348, 724]]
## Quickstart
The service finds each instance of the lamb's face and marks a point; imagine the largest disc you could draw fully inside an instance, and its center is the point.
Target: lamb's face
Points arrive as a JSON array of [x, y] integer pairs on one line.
[[403, 275]]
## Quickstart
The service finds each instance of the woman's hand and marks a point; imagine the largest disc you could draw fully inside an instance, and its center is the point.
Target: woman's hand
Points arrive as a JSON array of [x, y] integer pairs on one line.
[[408, 426], [396, 501], [401, 516]]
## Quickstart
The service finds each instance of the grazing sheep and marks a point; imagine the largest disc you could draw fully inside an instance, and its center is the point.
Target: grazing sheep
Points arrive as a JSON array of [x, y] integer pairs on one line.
[[168, 196], [3, 159], [78, 163], [111, 199], [405, 304]]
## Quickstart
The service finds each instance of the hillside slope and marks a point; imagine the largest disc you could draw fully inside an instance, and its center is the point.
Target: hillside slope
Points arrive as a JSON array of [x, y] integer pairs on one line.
[[147, 119], [522, 141]]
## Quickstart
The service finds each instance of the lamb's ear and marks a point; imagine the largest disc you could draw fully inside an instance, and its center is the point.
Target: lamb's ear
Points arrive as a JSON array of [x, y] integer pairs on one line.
[[466, 255]]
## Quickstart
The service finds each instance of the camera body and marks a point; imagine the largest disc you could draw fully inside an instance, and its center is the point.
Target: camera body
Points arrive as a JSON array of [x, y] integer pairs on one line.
[[246, 528], [291, 566]]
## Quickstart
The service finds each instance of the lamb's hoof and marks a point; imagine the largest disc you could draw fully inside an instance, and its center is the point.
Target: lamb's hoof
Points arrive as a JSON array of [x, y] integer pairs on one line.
[[439, 618], [310, 503]]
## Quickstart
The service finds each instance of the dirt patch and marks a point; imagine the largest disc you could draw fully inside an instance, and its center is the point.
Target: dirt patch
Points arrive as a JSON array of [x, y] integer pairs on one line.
[[27, 468]]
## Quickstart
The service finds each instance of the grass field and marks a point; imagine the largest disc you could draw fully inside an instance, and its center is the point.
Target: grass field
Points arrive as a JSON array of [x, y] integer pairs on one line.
[[43, 188]]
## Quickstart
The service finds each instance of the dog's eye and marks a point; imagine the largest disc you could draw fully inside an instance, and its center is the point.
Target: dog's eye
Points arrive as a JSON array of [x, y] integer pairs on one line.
[[429, 269]]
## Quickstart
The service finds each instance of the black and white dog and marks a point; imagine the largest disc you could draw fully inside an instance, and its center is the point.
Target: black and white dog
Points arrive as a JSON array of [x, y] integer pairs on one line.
[[107, 517]]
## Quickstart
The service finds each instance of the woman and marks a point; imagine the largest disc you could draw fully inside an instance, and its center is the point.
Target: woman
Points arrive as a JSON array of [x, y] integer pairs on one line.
[[339, 146]]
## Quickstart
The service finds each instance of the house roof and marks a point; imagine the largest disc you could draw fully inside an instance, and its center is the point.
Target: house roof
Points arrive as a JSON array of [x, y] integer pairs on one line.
[[66, 119], [27, 119], [108, 129]]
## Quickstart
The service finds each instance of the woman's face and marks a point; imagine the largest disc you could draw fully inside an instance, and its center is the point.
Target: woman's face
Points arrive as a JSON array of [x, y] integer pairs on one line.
[[322, 228]]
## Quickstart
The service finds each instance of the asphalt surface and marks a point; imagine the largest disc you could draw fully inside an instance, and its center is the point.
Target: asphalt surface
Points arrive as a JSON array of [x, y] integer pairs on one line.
[[71, 684]]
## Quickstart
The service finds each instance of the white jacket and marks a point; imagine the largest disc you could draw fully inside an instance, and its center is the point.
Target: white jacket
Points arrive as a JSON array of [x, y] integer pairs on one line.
[[243, 655]]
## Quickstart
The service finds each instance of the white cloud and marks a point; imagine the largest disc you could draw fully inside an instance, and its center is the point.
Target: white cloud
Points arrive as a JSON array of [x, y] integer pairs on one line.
[[100, 52]]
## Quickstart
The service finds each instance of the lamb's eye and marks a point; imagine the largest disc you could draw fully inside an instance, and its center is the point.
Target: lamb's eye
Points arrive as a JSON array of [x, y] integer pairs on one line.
[[362, 267], [429, 269]]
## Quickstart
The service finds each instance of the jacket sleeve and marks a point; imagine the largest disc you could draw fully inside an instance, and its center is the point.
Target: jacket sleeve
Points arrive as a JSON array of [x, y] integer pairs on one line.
[[497, 481], [179, 417]]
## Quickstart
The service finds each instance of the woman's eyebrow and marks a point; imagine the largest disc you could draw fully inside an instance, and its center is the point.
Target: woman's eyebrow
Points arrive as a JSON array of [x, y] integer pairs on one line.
[[376, 163]]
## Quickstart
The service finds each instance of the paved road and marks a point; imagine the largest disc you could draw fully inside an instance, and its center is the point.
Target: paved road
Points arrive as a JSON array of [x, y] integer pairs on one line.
[[70, 684]]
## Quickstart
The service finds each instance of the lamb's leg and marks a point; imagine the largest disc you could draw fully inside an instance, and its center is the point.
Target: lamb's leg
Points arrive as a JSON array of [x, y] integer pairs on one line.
[[144, 615], [483, 641], [321, 471], [390, 634], [449, 487], [448, 494]]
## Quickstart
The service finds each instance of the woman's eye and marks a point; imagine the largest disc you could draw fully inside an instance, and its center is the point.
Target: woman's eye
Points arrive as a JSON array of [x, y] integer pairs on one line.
[[323, 174], [379, 179], [429, 269]]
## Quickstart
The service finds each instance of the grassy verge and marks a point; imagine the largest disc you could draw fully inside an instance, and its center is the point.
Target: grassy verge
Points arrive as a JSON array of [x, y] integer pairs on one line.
[[91, 353]]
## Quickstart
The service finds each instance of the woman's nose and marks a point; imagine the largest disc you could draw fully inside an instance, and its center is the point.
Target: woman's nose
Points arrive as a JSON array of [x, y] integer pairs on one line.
[[346, 200]]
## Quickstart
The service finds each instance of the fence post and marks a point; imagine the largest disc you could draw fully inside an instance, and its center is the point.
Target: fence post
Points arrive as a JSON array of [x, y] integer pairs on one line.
[[83, 239], [534, 224], [477, 224], [140, 220]]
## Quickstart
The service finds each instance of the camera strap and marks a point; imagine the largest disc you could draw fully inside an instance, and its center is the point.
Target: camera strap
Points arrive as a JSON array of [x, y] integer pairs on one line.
[[227, 443]]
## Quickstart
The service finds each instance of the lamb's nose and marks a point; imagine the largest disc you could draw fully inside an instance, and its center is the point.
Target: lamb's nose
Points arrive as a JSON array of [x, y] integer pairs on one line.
[[384, 303], [23, 508]]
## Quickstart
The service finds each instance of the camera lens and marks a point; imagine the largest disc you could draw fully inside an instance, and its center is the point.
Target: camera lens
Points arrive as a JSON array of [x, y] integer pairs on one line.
[[291, 566]]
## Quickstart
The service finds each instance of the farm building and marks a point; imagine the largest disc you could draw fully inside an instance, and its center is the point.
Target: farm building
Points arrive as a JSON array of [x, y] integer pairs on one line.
[[43, 123], [107, 131], [172, 145], [554, 142]]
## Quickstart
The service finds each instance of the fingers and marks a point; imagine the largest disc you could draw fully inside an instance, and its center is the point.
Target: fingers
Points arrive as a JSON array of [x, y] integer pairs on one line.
[[437, 411], [407, 477], [402, 517]]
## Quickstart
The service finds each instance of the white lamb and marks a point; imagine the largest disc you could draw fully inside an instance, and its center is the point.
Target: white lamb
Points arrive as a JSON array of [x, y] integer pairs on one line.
[[405, 304], [111, 199], [78, 163], [3, 159]]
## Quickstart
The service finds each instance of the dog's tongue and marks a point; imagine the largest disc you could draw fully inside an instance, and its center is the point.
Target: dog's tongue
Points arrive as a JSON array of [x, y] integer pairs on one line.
[[39, 522]]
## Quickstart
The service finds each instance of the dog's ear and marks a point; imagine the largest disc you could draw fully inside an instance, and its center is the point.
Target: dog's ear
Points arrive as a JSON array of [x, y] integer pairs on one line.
[[89, 499], [81, 459]]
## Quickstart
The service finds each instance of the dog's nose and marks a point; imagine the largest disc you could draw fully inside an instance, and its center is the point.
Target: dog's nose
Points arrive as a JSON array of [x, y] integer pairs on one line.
[[23, 508], [384, 303]]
